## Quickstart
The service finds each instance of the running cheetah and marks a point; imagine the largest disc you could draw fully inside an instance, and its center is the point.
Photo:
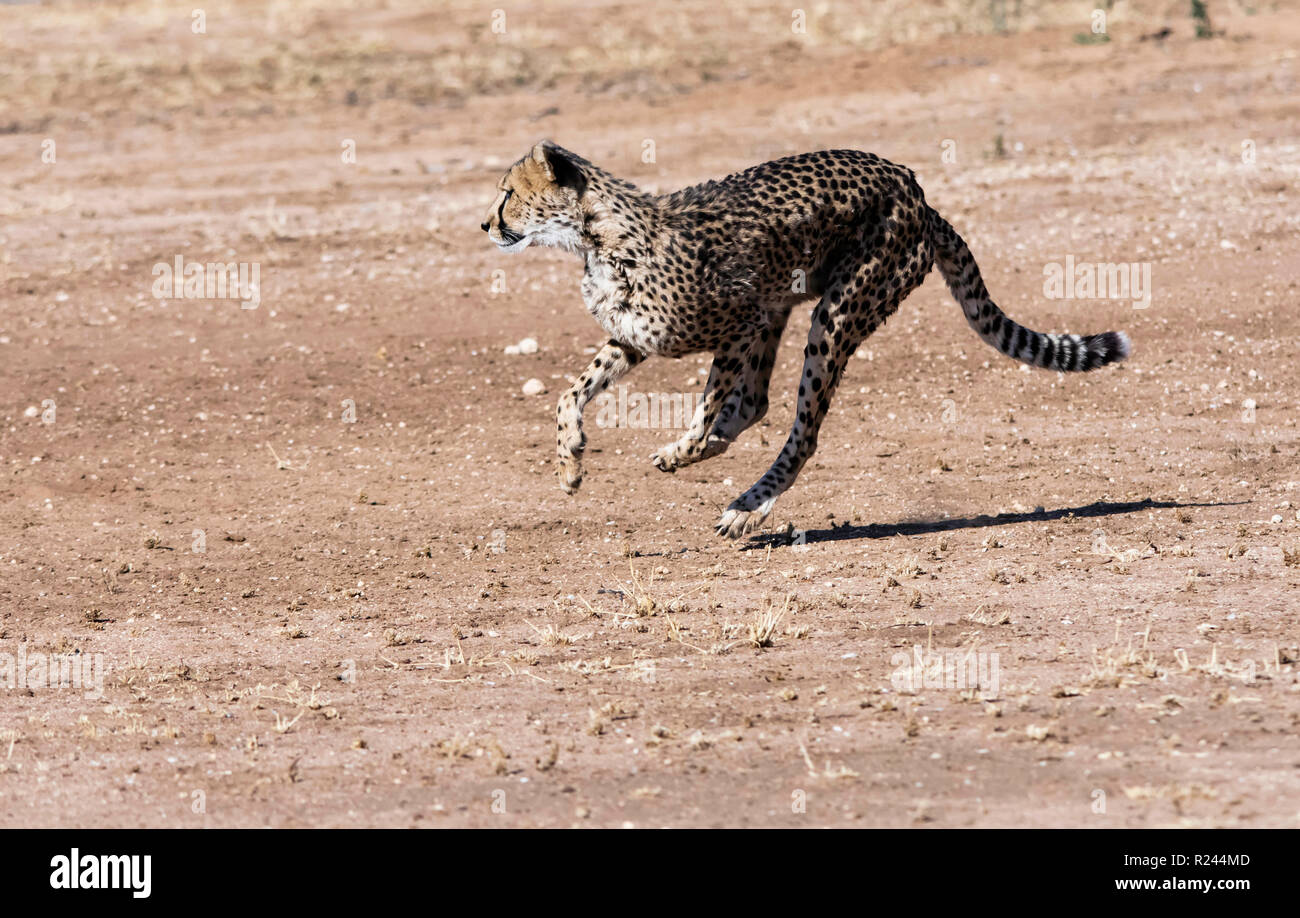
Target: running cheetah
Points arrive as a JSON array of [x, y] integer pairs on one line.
[[718, 267]]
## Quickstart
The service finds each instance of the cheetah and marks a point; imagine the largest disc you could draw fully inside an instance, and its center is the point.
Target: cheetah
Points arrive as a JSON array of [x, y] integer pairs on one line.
[[718, 267]]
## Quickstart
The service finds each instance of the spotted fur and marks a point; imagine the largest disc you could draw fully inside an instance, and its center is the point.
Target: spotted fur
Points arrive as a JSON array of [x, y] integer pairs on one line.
[[718, 267]]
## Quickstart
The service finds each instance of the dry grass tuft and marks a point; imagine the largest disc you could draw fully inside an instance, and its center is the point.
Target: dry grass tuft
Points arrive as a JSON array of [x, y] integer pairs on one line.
[[763, 627]]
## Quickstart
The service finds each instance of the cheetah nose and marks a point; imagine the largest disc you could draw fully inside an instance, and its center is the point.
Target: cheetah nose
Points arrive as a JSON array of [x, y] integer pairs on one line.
[[485, 225]]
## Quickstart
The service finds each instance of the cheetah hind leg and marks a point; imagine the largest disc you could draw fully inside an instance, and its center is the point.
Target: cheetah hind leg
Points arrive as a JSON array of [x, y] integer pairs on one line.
[[849, 312]]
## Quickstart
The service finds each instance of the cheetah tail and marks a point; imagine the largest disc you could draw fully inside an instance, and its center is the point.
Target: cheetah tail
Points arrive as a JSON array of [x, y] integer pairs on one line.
[[1053, 352]]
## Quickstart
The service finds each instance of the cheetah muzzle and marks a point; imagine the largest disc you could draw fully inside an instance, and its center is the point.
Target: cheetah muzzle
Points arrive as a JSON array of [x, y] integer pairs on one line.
[[718, 268]]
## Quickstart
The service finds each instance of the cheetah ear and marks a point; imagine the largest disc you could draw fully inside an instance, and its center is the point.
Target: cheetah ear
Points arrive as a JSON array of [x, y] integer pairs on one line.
[[559, 166], [540, 149]]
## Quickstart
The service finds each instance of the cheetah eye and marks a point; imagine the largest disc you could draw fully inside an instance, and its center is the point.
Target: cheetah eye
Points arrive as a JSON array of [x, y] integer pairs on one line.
[[509, 192]]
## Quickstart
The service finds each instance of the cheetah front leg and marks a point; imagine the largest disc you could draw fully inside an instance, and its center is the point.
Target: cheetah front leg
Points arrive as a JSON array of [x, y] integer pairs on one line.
[[748, 402], [724, 378], [610, 363]]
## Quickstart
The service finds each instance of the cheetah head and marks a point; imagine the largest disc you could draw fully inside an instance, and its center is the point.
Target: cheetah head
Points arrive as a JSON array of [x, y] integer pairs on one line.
[[538, 201]]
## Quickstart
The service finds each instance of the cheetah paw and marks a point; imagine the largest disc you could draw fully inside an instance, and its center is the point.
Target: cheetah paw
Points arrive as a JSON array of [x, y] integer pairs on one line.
[[665, 460], [737, 521], [677, 455], [570, 474]]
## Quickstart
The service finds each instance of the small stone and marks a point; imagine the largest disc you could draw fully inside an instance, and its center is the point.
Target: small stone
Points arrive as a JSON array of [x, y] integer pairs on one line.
[[534, 387]]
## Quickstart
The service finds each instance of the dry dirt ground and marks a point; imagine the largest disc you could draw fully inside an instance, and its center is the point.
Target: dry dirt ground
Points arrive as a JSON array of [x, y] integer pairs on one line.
[[318, 550]]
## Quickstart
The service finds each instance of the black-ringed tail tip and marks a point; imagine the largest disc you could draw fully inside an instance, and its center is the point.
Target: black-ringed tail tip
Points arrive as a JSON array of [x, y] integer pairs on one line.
[[1067, 353]]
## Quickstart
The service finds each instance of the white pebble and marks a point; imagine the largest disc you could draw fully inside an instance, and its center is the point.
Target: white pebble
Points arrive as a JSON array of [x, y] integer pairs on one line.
[[534, 387]]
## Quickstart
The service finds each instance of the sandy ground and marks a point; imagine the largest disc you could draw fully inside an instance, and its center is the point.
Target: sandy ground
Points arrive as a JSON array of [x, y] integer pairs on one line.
[[316, 550]]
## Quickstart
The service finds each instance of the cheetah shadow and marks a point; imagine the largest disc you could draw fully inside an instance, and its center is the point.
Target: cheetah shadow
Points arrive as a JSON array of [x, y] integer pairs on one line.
[[848, 532]]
